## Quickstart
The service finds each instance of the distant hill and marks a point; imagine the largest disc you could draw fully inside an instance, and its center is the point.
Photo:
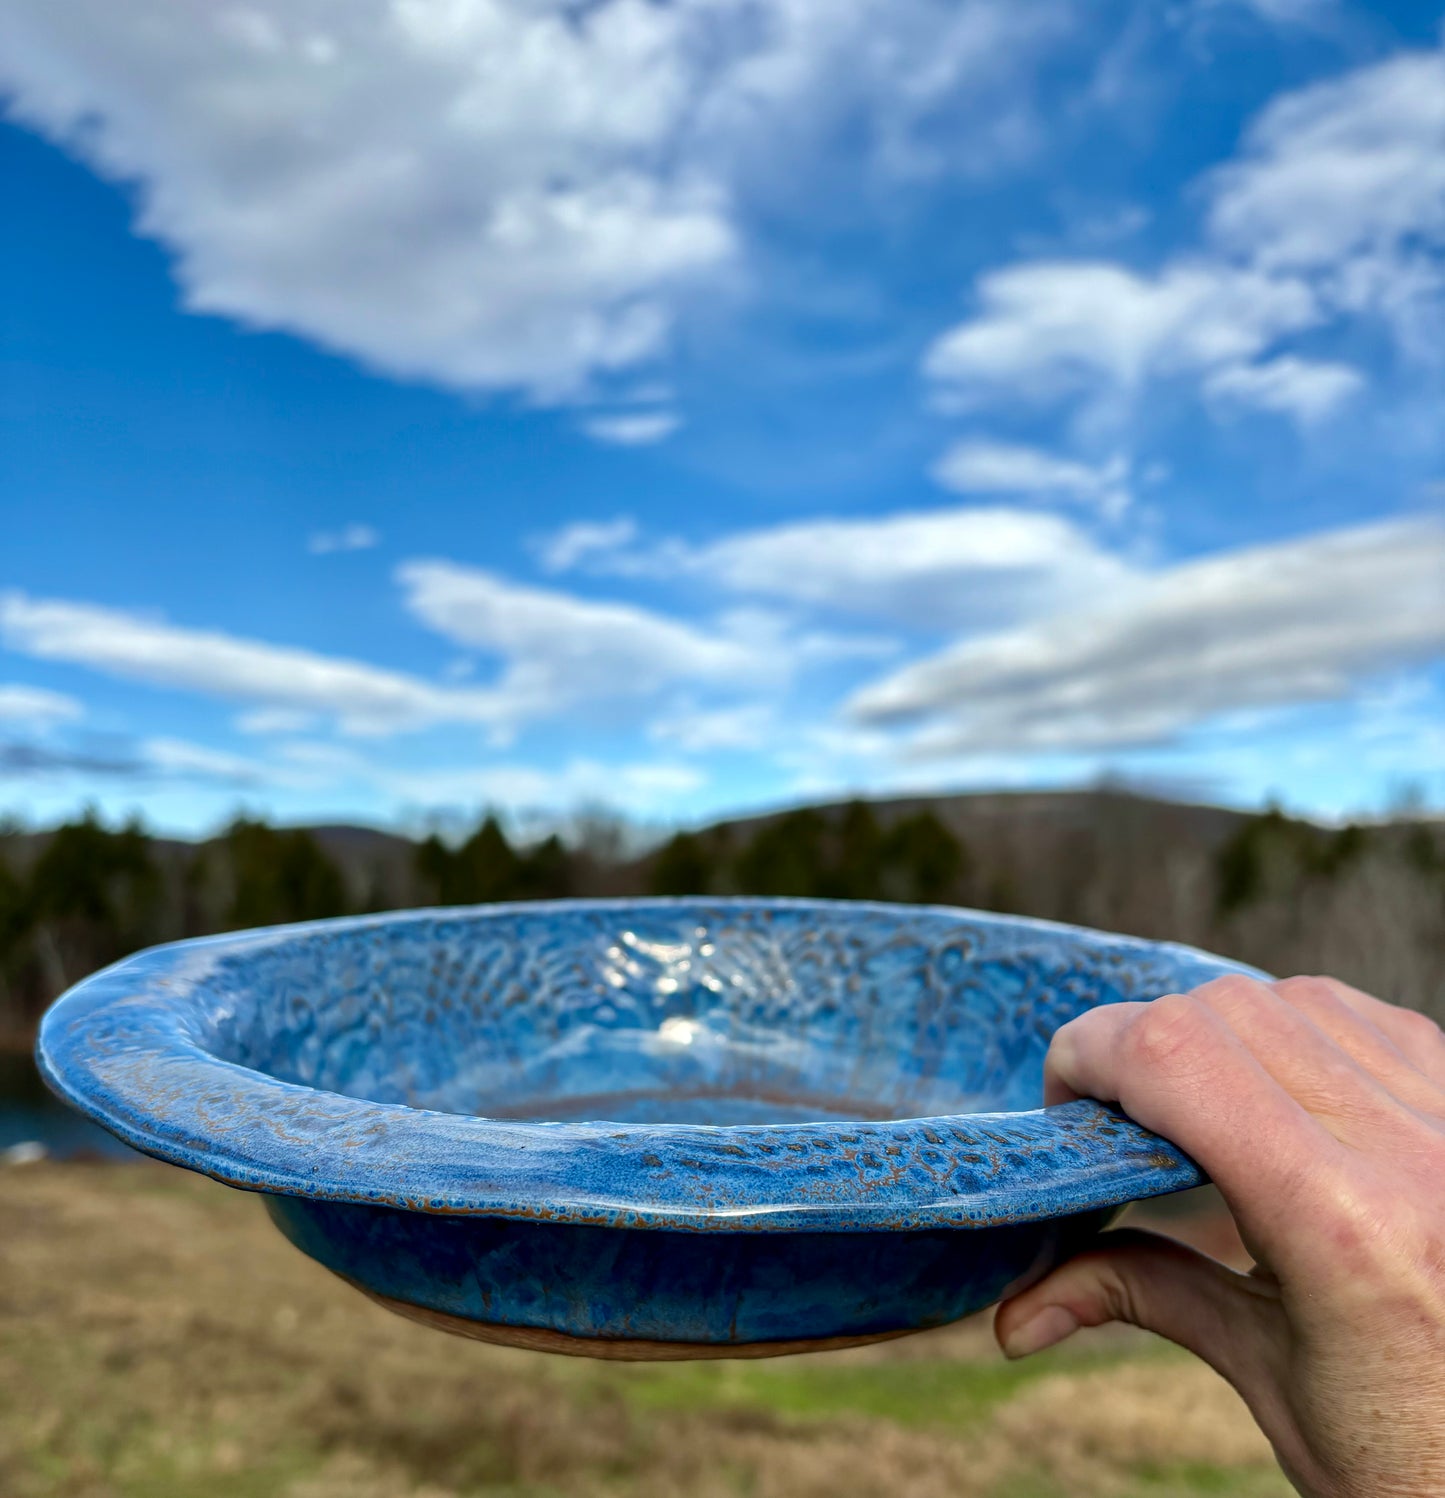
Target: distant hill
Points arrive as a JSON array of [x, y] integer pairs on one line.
[[357, 848], [989, 814]]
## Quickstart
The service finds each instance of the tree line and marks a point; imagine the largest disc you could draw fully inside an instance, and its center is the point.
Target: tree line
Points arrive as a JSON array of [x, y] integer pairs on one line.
[[1365, 902]]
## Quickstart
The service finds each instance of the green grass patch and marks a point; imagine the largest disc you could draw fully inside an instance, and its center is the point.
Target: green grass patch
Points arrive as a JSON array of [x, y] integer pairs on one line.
[[945, 1393], [1181, 1480], [1206, 1480]]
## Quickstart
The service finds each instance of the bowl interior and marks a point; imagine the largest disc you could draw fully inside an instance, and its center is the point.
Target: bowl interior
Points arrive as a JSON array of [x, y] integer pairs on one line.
[[724, 1013]]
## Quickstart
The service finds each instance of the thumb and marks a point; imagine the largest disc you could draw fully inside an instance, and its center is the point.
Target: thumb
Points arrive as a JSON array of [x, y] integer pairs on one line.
[[1230, 1320]]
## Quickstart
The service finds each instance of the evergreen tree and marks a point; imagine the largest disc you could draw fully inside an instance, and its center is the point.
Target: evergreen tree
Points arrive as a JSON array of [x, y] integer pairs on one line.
[[682, 867], [94, 895], [785, 857], [483, 869], [14, 928], [545, 872], [923, 860], [280, 876], [855, 871], [1239, 866], [1273, 852], [1337, 851]]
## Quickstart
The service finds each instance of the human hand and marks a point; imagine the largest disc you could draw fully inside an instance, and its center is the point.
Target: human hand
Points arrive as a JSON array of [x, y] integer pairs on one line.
[[1319, 1112]]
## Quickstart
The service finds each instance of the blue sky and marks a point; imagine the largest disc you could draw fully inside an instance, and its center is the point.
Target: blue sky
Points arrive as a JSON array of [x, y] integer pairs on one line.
[[416, 405]]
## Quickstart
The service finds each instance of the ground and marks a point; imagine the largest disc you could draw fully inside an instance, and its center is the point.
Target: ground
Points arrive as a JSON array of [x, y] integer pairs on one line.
[[159, 1339]]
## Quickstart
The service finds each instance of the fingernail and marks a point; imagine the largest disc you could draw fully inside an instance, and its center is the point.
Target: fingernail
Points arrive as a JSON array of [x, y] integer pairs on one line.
[[1051, 1325]]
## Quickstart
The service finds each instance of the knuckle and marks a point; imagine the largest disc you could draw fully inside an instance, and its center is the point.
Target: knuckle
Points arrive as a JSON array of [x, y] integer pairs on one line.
[[1318, 1000], [1376, 1248], [1420, 1028], [1120, 1298], [1168, 1029], [1302, 989], [1354, 1227], [1232, 997], [1229, 986]]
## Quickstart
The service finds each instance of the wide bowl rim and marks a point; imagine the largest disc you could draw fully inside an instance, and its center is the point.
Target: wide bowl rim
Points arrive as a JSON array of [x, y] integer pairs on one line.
[[120, 1046]]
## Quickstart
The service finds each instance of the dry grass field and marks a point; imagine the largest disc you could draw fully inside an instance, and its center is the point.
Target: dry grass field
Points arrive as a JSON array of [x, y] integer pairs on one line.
[[158, 1339]]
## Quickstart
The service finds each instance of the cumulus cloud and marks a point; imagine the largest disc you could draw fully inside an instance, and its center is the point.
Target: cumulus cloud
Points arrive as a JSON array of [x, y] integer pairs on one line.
[[36, 707], [1344, 182], [1345, 176], [977, 466], [1333, 207], [475, 193], [1298, 622], [1053, 328], [483, 193], [924, 569]]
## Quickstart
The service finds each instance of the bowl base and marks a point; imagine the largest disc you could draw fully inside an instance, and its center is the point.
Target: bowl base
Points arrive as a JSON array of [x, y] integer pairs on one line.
[[614, 1349]]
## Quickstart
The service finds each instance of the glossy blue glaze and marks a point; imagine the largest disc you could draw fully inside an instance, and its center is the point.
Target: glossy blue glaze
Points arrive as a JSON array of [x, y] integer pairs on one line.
[[712, 1288], [716, 1122]]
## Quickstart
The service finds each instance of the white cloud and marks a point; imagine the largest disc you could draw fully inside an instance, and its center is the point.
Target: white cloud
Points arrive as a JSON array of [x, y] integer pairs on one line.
[[1297, 622], [349, 538], [633, 428], [274, 720], [1048, 329], [476, 193], [564, 549], [1307, 389], [36, 707], [363, 699], [554, 652], [697, 730], [559, 649], [181, 759], [977, 466], [1349, 171], [924, 569], [1334, 206], [784, 638], [1344, 182], [487, 193]]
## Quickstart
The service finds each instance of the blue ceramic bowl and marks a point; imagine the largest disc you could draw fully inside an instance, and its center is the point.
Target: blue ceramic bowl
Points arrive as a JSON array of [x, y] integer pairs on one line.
[[639, 1128]]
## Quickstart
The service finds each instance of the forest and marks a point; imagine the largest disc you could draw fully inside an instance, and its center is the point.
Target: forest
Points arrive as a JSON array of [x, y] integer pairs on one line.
[[1364, 902]]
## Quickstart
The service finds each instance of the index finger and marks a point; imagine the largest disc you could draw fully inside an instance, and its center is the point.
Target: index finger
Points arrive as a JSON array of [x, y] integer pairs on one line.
[[1177, 1068]]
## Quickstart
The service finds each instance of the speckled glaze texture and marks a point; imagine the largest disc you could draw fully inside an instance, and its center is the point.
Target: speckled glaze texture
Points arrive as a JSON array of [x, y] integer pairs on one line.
[[719, 1123]]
